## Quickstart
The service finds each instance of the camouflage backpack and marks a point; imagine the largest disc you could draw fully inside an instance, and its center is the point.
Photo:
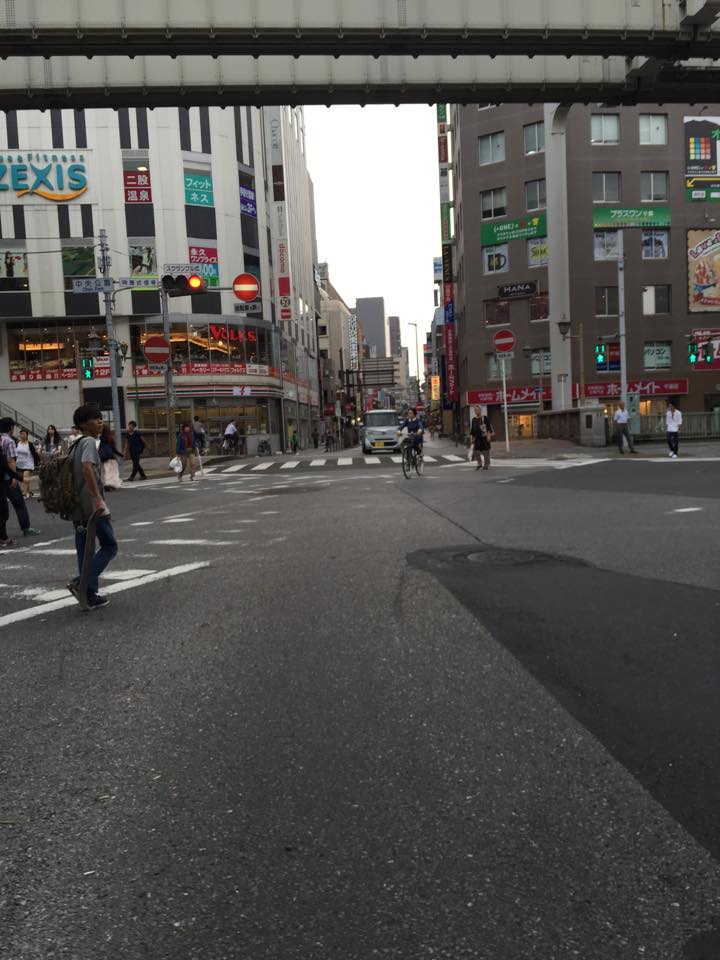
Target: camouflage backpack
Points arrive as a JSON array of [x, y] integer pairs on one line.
[[57, 486]]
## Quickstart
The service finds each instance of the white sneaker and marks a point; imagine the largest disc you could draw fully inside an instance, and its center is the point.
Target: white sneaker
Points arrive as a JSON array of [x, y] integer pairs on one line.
[[671, 454], [674, 456]]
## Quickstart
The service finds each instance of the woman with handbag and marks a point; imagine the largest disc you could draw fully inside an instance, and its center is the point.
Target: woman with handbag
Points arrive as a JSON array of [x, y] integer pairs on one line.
[[108, 453], [482, 434]]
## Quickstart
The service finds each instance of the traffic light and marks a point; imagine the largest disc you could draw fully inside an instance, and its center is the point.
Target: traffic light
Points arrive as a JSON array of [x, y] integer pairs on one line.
[[693, 352], [184, 286], [88, 364], [709, 352], [600, 353]]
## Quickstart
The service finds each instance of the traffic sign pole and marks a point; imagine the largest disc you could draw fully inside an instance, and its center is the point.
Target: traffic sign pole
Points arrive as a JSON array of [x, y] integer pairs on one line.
[[505, 403], [169, 387], [112, 342]]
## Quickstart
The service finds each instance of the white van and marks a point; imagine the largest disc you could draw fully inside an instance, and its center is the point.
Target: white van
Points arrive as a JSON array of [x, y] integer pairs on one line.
[[380, 432]]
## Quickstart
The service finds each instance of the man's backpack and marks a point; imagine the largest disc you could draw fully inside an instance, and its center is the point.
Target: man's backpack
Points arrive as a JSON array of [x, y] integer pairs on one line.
[[57, 486]]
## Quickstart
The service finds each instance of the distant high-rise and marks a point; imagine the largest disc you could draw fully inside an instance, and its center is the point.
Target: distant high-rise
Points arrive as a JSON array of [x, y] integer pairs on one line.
[[370, 312], [394, 336]]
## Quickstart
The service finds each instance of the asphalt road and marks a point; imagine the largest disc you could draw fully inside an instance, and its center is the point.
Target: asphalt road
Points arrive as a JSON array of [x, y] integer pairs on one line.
[[330, 713]]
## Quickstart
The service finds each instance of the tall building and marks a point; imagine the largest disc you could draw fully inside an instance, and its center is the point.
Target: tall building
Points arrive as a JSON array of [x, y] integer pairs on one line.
[[638, 160], [225, 190], [370, 312], [394, 336], [337, 344]]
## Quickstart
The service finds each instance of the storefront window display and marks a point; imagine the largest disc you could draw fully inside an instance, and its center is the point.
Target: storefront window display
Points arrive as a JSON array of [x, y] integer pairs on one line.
[[46, 350], [13, 267]]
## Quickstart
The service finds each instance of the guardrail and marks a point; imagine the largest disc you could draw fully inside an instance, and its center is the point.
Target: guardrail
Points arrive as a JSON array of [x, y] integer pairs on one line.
[[697, 426]]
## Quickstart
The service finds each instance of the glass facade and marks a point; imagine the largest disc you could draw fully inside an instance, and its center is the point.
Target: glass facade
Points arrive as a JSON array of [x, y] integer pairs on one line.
[[47, 349]]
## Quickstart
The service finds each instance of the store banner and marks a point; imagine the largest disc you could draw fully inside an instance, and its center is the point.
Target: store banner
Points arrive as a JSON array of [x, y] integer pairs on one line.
[[447, 264], [206, 259], [198, 188], [434, 387], [703, 270], [620, 218], [450, 361], [248, 202], [26, 176], [524, 228], [598, 391], [445, 223], [702, 159], [442, 113], [437, 269], [138, 188], [13, 264]]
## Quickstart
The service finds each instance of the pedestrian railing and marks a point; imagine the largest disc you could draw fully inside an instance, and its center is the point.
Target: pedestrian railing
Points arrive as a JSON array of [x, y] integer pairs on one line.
[[695, 425], [37, 431]]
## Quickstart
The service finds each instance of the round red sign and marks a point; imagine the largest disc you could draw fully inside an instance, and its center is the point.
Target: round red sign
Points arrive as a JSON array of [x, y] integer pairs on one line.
[[504, 341], [156, 350], [246, 287]]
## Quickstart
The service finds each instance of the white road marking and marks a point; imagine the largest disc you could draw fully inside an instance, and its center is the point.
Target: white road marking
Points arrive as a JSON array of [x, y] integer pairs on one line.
[[687, 510], [235, 468], [192, 543], [318, 463], [126, 574], [290, 465], [396, 459], [37, 593], [372, 460], [142, 523], [41, 609], [245, 521], [263, 466], [452, 458], [57, 552], [269, 513], [179, 520], [429, 459], [344, 461]]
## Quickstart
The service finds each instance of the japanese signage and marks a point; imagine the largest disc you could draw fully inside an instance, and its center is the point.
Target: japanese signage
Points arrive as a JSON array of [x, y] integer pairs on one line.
[[138, 188], [702, 337], [445, 226], [703, 271], [702, 158], [198, 188], [101, 371], [620, 217], [524, 228], [517, 291], [248, 201], [353, 345], [437, 269], [206, 259], [46, 174], [434, 387], [442, 113], [447, 263], [450, 361], [230, 369], [537, 252], [280, 230], [599, 391]]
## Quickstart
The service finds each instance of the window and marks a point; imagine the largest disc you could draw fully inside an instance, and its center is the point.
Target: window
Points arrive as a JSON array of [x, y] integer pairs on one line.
[[605, 245], [493, 368], [534, 137], [605, 128], [653, 129], [606, 302], [497, 312], [493, 203], [496, 259], [653, 185], [657, 355], [45, 349], [655, 244], [322, 330], [606, 187], [535, 362], [77, 262], [13, 267], [539, 307], [492, 148], [537, 252], [535, 195], [656, 299]]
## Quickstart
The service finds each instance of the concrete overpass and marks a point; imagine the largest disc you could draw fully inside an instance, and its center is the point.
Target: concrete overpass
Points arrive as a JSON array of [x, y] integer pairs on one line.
[[65, 53]]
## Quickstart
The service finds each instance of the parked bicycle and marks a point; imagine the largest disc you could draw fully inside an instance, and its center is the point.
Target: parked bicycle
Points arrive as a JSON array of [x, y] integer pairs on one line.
[[412, 458]]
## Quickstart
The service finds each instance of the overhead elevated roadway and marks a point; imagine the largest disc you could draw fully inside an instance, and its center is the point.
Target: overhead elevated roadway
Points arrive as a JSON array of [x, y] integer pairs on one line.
[[66, 53]]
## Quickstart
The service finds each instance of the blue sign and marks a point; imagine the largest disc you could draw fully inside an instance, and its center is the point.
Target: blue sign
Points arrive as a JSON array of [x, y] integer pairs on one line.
[[450, 312], [248, 201], [54, 176]]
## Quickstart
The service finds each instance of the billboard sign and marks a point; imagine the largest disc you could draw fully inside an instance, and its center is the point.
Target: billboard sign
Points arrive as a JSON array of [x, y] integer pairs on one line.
[[524, 228], [137, 186], [43, 174], [615, 218], [702, 158], [198, 188], [703, 248], [450, 361]]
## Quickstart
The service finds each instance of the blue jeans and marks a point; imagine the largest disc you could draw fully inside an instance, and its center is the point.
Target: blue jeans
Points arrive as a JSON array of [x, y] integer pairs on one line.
[[15, 496], [108, 550]]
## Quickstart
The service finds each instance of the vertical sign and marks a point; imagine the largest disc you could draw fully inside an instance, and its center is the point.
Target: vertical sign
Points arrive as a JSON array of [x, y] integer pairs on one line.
[[279, 218], [450, 361], [449, 333]]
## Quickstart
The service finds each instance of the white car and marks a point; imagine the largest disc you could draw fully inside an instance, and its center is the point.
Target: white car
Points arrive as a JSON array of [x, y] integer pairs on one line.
[[380, 432]]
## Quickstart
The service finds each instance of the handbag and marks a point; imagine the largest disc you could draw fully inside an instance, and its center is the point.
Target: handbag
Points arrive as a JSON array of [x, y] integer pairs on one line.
[[111, 474], [176, 464]]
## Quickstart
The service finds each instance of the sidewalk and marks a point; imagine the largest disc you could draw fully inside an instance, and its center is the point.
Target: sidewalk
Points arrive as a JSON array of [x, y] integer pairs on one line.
[[567, 450]]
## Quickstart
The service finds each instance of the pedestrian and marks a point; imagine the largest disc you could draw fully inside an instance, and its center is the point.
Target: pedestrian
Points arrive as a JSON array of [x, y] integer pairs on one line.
[[134, 446], [13, 491], [673, 420], [199, 434], [622, 428], [294, 442], [27, 461], [75, 435], [185, 449], [316, 438], [108, 452], [5, 473], [87, 478], [52, 444], [482, 434], [231, 436]]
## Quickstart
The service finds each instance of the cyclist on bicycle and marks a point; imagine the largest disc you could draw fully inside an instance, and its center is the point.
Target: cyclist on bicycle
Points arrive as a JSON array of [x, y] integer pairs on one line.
[[415, 428], [231, 436]]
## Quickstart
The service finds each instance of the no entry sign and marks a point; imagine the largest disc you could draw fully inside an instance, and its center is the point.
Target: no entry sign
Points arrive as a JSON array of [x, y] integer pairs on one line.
[[156, 350], [504, 341], [246, 287]]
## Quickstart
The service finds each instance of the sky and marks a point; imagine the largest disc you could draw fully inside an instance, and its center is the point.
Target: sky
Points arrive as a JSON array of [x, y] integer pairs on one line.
[[377, 206]]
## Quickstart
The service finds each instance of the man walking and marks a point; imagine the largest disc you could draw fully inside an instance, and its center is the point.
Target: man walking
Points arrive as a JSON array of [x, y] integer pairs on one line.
[[134, 446], [87, 478], [185, 449], [13, 490], [622, 428], [482, 433], [673, 419]]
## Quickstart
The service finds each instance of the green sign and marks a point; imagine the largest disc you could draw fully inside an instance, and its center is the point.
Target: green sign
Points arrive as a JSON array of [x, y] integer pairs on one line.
[[526, 228], [198, 189], [616, 217], [442, 113], [445, 226]]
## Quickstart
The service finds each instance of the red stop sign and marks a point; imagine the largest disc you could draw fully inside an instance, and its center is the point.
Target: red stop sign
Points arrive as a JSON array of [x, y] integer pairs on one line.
[[156, 350], [504, 341], [246, 287]]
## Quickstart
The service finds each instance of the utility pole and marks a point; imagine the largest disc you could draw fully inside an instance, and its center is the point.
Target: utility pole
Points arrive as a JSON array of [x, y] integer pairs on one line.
[[169, 387], [621, 315], [104, 265]]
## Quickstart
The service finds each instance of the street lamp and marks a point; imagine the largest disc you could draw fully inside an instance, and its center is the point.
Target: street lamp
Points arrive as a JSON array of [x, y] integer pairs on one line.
[[564, 328]]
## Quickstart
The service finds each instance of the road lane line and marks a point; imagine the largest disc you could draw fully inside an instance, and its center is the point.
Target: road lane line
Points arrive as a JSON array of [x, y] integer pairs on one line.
[[452, 458], [126, 574], [142, 523], [57, 552], [39, 610], [192, 543], [687, 510], [396, 459], [429, 459], [178, 520]]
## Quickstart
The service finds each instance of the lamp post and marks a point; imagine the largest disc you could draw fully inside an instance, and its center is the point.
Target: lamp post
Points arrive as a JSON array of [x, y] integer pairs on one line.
[[564, 328]]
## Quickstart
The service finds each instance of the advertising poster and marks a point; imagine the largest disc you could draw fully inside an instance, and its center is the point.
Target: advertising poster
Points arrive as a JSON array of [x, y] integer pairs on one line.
[[13, 264], [207, 260], [702, 158], [78, 261], [524, 228], [248, 201], [143, 264], [537, 252], [703, 271]]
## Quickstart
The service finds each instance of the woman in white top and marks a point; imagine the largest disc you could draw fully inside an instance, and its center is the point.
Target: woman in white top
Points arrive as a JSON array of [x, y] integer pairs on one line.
[[26, 461]]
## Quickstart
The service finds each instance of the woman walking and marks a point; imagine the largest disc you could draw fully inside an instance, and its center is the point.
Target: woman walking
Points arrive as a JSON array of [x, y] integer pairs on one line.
[[27, 461], [5, 471], [108, 453], [52, 444]]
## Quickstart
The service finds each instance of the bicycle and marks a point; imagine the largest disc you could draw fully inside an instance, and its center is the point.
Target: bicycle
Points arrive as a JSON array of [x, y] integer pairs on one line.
[[412, 458]]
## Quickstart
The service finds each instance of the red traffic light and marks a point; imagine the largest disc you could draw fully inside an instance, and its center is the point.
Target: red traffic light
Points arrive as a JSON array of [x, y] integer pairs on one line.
[[195, 282], [184, 286]]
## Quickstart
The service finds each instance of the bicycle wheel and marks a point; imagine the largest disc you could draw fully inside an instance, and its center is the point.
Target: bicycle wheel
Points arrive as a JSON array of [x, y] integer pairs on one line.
[[406, 462], [419, 462]]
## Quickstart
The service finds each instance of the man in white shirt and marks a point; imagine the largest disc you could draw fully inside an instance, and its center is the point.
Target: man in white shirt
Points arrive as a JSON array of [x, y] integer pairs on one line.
[[622, 429], [673, 419], [231, 435]]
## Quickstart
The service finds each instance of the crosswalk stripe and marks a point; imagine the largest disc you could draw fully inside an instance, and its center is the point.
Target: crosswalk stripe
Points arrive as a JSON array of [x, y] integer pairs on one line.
[[372, 460], [452, 458], [235, 468], [345, 461], [396, 459], [429, 459], [318, 463], [263, 466], [290, 465]]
